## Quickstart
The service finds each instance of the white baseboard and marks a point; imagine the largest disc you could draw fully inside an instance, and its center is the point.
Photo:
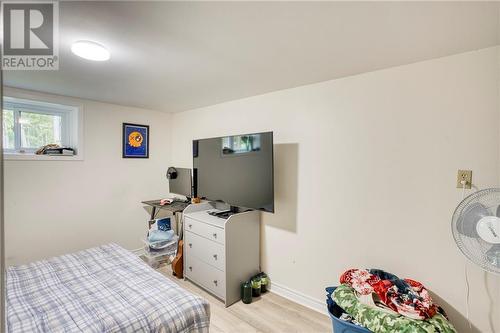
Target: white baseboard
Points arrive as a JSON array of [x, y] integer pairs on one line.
[[298, 297]]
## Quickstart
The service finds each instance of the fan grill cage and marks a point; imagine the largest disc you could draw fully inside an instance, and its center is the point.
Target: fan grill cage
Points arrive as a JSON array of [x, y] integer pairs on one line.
[[472, 208]]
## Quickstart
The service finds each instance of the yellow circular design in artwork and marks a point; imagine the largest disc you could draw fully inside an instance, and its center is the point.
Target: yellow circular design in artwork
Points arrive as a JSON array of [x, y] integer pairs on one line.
[[135, 139]]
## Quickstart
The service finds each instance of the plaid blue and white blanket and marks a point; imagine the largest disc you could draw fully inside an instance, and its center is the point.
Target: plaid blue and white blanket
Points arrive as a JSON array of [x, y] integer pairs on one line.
[[102, 289]]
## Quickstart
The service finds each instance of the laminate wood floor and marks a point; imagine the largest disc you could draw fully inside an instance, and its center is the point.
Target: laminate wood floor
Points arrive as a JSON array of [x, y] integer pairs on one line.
[[269, 313]]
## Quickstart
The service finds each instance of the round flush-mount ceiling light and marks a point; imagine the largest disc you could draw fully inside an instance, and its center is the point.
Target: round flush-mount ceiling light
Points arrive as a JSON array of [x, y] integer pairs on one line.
[[90, 50]]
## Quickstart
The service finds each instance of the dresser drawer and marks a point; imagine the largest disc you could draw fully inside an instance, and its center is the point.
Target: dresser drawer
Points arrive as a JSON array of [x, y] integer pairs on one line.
[[205, 230], [204, 249], [205, 275]]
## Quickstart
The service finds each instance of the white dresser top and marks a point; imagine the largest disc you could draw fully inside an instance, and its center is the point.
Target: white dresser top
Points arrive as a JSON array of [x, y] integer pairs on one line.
[[204, 217]]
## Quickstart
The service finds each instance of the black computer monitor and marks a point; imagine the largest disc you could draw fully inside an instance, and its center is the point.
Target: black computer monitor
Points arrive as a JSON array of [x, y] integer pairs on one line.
[[181, 184]]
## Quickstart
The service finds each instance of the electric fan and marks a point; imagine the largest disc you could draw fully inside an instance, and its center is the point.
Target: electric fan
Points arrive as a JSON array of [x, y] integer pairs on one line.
[[476, 228]]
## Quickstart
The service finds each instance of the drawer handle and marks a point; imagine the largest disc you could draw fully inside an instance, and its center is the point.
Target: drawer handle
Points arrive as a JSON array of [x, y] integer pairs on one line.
[[190, 268], [215, 256], [190, 226], [215, 235], [215, 282], [190, 245]]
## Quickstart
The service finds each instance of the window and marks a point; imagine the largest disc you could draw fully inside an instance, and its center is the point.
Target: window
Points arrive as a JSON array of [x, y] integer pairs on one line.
[[29, 125], [240, 144]]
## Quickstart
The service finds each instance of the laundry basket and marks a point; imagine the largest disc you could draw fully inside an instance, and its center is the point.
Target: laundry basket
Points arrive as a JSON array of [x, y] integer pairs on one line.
[[340, 326]]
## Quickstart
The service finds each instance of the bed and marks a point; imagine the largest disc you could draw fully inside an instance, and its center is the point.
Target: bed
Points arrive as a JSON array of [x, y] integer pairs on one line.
[[102, 289]]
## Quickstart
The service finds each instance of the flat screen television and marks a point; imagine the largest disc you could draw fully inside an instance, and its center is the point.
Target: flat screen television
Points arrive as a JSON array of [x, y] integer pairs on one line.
[[237, 170]]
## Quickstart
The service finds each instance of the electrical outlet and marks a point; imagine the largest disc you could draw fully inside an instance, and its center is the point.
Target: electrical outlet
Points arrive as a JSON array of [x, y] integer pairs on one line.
[[464, 175]]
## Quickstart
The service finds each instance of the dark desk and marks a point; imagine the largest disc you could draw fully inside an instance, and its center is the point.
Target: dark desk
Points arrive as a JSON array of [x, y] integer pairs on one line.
[[174, 207]]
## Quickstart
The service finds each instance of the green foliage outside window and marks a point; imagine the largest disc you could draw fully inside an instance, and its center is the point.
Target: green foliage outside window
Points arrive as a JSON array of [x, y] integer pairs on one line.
[[39, 129], [35, 129], [8, 129]]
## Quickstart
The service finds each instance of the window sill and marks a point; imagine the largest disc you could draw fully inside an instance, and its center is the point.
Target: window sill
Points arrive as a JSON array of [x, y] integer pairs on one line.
[[34, 157]]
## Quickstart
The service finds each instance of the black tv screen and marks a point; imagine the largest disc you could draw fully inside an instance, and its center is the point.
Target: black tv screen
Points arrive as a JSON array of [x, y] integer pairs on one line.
[[237, 170]]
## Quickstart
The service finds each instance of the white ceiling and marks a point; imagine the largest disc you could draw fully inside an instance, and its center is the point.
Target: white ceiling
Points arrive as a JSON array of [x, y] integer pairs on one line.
[[174, 56]]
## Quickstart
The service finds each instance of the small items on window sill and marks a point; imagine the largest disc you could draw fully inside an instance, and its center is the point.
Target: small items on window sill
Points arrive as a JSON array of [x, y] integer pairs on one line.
[[55, 150]]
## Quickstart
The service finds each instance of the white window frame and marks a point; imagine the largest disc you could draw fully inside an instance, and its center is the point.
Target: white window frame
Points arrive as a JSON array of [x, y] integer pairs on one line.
[[69, 126]]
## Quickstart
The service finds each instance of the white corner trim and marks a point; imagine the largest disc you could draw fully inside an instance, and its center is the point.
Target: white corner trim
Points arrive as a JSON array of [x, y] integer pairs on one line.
[[298, 297]]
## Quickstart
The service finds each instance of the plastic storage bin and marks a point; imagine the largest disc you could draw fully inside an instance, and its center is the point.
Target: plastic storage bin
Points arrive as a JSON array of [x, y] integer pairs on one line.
[[340, 326], [155, 258], [161, 247]]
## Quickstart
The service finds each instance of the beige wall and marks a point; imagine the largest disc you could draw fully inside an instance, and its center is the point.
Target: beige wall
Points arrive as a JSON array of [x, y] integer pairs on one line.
[[55, 207], [365, 171]]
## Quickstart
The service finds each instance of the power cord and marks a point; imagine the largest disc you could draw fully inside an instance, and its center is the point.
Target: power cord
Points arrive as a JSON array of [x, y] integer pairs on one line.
[[467, 287]]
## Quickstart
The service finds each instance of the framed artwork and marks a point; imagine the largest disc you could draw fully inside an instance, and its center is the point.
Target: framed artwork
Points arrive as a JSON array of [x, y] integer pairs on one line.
[[135, 141]]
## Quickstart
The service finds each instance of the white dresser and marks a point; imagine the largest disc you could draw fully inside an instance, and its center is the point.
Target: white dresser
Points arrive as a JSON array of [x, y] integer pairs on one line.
[[220, 254]]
